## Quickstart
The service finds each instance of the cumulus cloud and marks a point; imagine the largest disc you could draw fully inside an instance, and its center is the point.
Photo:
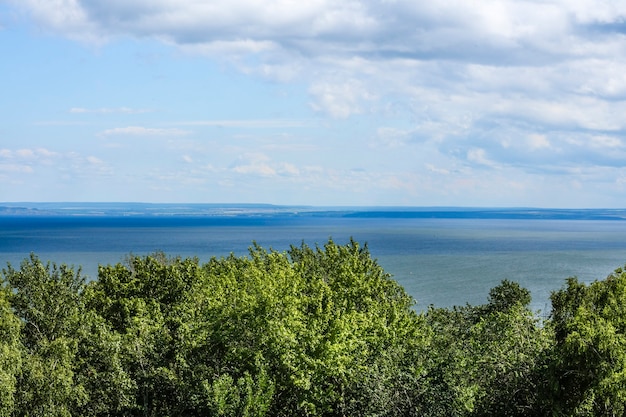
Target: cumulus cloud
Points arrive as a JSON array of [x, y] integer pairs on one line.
[[504, 32], [398, 27], [491, 83]]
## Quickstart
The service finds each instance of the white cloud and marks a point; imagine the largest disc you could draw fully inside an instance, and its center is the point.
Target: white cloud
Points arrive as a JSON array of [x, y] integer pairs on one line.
[[15, 168], [143, 131], [288, 169], [479, 156], [451, 47], [237, 47], [94, 160], [254, 164], [261, 165], [607, 142], [436, 170], [28, 154], [392, 137], [43, 160], [319, 27], [514, 84], [536, 141], [341, 99], [256, 169], [65, 16]]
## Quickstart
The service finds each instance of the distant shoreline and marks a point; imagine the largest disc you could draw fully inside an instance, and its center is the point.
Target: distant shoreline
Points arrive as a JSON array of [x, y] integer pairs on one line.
[[160, 210]]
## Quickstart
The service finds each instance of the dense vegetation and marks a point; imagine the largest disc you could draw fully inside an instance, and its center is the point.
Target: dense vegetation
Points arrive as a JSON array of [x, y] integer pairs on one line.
[[310, 332]]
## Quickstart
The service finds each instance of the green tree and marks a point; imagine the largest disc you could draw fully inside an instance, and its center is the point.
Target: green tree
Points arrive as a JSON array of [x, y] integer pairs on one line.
[[362, 336], [100, 371], [139, 304], [313, 331], [505, 297], [10, 354], [589, 376], [489, 359], [46, 299], [69, 358]]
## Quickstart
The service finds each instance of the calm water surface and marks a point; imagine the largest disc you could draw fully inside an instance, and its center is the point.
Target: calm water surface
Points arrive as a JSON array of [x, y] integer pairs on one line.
[[443, 262]]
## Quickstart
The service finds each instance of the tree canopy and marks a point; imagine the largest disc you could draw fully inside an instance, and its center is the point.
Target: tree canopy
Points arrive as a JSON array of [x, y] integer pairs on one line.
[[312, 331]]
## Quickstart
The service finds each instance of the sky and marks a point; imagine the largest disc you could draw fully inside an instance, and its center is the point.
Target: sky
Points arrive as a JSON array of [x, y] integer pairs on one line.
[[503, 103]]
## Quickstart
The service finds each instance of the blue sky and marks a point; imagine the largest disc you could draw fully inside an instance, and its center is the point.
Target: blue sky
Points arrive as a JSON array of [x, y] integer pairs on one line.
[[316, 102]]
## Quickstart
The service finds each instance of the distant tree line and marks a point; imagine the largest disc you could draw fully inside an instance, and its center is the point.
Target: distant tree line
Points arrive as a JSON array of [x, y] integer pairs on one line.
[[320, 331]]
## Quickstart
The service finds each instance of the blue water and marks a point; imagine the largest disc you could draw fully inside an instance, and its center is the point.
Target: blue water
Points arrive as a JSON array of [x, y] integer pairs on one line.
[[442, 259]]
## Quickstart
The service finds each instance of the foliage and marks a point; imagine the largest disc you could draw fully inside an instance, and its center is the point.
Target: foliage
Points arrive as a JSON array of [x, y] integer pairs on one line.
[[10, 354], [46, 300], [489, 359], [301, 332], [590, 332], [313, 331]]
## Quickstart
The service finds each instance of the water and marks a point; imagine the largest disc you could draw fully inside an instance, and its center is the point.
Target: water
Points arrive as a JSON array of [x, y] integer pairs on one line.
[[439, 261]]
